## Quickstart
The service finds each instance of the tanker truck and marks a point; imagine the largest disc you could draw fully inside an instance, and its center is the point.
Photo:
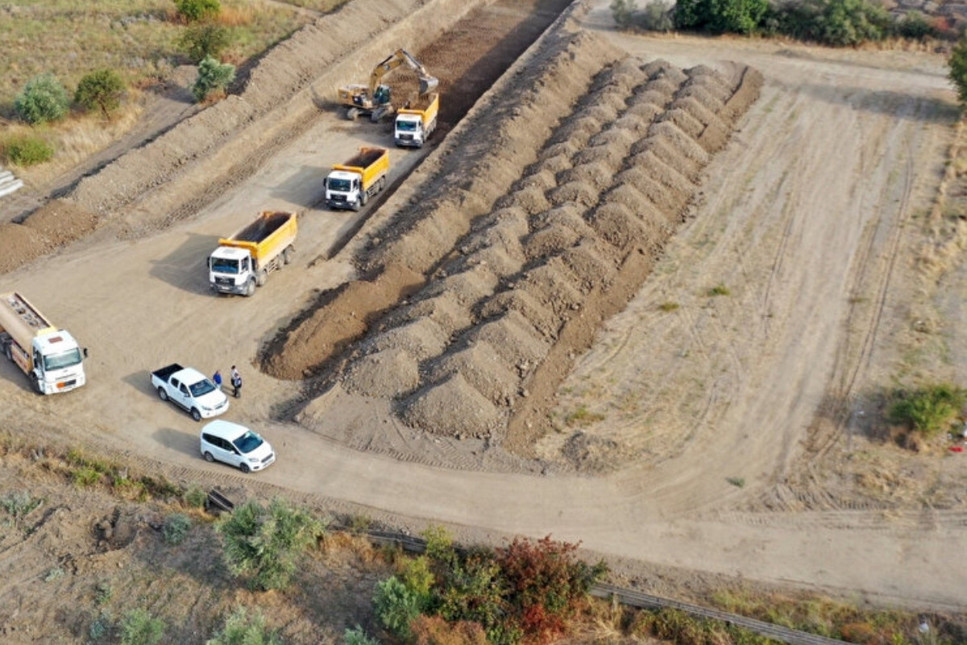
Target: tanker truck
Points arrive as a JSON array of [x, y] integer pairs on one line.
[[50, 357], [243, 261], [349, 185]]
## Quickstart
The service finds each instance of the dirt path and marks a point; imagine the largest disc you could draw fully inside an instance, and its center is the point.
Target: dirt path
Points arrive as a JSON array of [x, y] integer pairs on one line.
[[801, 221]]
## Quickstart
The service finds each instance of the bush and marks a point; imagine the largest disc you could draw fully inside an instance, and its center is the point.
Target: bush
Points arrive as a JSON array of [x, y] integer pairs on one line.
[[100, 90], [657, 16], [623, 12], [914, 25], [433, 630], [839, 23], [720, 16], [212, 77], [140, 628], [957, 68], [546, 584], [927, 410], [204, 40], [358, 636], [396, 606], [264, 543], [243, 628], [475, 591], [176, 528], [195, 497], [43, 99], [26, 150], [195, 10]]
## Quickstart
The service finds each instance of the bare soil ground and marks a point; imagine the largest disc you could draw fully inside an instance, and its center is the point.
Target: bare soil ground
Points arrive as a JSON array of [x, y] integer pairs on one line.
[[647, 294]]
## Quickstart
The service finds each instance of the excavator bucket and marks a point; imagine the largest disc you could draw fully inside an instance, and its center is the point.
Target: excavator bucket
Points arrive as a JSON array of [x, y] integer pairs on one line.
[[428, 84]]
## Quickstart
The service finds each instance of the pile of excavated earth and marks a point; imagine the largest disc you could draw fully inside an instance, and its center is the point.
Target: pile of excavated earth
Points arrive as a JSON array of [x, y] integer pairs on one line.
[[474, 298]]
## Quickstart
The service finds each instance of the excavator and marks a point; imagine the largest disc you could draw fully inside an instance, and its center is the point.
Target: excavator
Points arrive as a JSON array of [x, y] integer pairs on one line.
[[374, 99]]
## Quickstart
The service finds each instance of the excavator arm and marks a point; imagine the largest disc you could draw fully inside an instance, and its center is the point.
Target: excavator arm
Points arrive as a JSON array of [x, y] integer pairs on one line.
[[428, 83]]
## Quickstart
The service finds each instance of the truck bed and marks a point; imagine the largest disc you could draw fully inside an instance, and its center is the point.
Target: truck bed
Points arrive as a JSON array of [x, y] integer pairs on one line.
[[259, 230], [365, 158], [165, 372]]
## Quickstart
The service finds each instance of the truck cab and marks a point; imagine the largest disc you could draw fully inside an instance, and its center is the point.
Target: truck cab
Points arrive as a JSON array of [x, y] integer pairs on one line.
[[409, 130], [232, 270], [344, 189], [56, 364]]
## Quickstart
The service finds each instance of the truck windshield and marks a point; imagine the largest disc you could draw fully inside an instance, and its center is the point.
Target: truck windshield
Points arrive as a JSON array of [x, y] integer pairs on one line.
[[201, 388], [224, 265], [341, 185], [406, 126], [62, 360], [248, 442]]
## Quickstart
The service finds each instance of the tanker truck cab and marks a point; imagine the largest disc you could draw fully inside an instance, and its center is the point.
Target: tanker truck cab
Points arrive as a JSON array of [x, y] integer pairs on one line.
[[50, 357]]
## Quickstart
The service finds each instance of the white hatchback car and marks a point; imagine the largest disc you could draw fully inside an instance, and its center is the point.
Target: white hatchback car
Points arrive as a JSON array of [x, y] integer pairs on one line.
[[236, 445]]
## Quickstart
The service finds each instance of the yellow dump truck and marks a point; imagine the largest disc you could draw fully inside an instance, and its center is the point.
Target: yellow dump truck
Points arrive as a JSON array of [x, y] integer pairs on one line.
[[416, 123], [243, 261], [50, 357], [351, 184]]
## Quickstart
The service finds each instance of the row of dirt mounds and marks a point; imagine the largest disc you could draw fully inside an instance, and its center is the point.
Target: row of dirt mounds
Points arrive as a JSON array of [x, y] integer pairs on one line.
[[473, 311]]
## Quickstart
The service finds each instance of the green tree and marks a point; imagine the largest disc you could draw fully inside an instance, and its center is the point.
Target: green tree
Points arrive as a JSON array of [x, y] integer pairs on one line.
[[263, 544], [244, 628], [839, 23], [212, 77], [957, 68], [928, 409], [43, 99], [358, 636], [396, 606], [720, 16], [140, 628], [202, 40], [195, 10], [101, 89]]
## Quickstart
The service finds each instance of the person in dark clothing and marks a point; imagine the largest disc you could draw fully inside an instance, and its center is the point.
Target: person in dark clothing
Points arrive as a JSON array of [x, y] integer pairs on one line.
[[236, 383]]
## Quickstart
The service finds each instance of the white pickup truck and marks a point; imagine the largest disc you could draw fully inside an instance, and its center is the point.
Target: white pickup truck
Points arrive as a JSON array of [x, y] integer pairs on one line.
[[189, 389]]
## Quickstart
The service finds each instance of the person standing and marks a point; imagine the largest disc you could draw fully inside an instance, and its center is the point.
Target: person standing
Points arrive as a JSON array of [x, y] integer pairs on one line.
[[217, 379], [236, 383]]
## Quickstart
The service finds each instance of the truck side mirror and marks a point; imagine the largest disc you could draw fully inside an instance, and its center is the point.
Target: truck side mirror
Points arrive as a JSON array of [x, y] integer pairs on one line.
[[85, 352]]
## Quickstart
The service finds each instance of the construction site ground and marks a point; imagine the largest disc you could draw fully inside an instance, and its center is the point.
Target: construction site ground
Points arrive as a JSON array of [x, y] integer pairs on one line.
[[646, 293]]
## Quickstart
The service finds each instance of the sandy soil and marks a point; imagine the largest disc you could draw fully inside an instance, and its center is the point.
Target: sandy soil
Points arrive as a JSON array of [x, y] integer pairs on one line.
[[735, 434]]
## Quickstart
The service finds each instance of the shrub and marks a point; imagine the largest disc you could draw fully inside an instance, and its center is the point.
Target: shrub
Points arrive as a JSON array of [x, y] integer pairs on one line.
[[914, 25], [720, 16], [195, 10], [433, 630], [100, 90], [396, 606], [195, 497], [140, 628], [358, 636], [19, 504], [43, 99], [26, 150], [264, 543], [546, 584], [243, 628], [957, 68], [176, 528], [475, 591], [439, 543], [86, 476], [834, 22], [928, 409], [416, 575], [657, 16], [623, 12], [213, 77], [203, 40]]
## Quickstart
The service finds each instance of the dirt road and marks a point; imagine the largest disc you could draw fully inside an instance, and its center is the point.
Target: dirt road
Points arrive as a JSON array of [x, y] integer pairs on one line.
[[803, 221]]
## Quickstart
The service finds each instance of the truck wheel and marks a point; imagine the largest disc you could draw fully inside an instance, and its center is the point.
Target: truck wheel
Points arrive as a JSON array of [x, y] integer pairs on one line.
[[250, 288], [352, 113], [261, 277], [287, 254], [195, 414], [244, 467], [162, 394], [7, 352], [356, 206], [208, 457]]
